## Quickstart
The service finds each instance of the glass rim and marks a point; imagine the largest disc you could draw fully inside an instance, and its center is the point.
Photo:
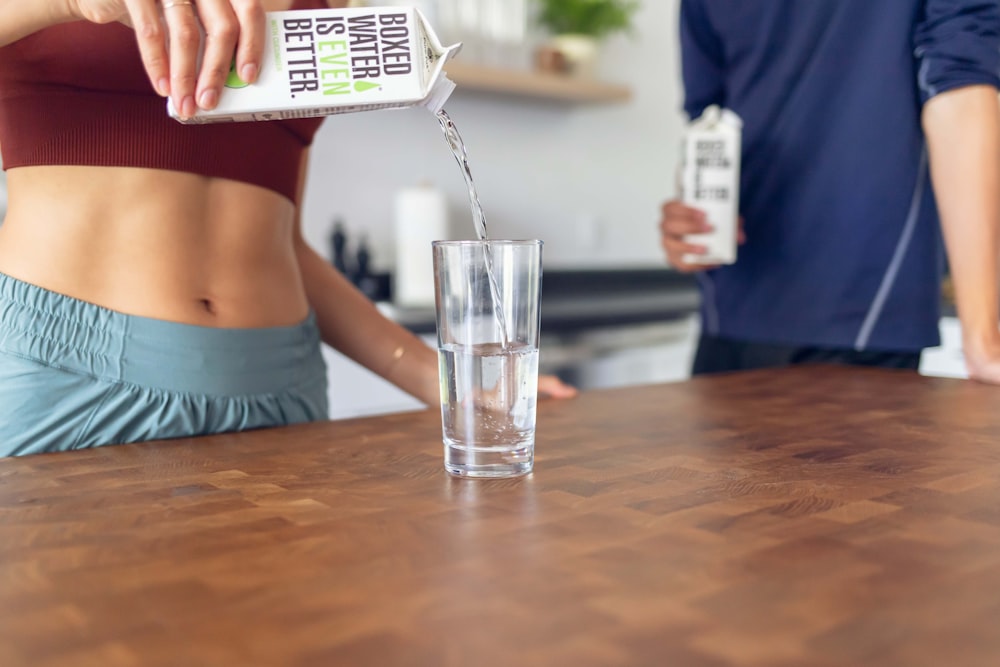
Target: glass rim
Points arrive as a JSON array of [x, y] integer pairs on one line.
[[479, 242]]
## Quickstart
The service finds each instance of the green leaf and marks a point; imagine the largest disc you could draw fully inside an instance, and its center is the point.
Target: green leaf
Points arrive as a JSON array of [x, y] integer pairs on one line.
[[597, 18]]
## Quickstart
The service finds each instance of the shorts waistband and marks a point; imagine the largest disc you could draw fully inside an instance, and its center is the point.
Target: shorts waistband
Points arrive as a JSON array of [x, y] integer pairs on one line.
[[77, 336]]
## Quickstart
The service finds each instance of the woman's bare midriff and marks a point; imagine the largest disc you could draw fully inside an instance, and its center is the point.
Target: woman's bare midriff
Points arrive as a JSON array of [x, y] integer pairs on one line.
[[160, 244]]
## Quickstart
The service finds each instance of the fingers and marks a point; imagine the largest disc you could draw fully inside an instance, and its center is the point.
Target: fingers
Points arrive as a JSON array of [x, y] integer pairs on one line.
[[677, 222], [678, 219], [677, 248], [231, 28], [188, 46], [144, 17], [550, 386], [678, 264], [250, 51], [184, 39]]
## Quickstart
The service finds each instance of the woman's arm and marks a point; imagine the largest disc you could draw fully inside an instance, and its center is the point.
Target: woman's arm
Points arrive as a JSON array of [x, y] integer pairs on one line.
[[350, 323], [963, 135]]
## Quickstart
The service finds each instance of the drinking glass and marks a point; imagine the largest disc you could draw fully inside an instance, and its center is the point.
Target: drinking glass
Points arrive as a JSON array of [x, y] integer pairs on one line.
[[487, 299]]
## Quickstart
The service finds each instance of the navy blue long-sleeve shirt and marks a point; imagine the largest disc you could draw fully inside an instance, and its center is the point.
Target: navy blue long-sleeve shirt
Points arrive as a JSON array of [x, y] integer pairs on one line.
[[843, 242]]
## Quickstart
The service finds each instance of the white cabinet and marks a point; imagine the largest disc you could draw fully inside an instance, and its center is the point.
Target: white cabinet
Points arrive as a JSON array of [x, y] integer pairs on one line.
[[946, 360], [354, 391], [623, 356]]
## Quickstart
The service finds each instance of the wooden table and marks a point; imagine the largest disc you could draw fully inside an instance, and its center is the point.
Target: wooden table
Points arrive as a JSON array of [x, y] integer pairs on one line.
[[815, 516]]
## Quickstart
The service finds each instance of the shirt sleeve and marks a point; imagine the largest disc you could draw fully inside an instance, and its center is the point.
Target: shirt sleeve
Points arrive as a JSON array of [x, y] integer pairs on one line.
[[957, 43], [702, 60]]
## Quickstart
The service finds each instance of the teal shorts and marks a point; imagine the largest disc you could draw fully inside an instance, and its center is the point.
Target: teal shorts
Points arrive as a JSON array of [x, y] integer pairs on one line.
[[75, 375]]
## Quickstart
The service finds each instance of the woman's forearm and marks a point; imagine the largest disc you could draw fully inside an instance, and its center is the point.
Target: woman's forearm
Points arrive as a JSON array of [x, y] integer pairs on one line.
[[350, 323]]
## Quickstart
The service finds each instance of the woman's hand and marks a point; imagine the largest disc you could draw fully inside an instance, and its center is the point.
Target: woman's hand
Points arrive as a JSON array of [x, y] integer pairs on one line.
[[549, 386], [171, 35]]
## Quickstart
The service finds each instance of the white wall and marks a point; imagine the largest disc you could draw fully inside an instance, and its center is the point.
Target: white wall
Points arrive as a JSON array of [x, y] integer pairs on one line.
[[588, 180]]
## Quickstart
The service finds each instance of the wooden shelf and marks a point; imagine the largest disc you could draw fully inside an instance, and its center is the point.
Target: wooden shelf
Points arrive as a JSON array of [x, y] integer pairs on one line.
[[537, 85]]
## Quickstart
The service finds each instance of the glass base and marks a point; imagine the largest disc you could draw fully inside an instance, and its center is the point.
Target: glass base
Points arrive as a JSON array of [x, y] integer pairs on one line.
[[489, 462]]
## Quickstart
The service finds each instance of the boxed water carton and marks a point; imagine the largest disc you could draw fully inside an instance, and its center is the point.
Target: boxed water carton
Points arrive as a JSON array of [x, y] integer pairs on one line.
[[711, 182], [331, 61]]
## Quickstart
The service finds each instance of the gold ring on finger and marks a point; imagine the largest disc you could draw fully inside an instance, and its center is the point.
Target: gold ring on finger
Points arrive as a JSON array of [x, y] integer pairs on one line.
[[177, 3]]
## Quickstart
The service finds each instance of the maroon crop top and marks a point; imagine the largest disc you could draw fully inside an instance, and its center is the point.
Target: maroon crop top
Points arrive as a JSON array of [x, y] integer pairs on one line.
[[77, 94]]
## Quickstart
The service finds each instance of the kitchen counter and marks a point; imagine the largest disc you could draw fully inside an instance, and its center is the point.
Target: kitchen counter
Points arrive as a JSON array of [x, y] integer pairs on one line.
[[579, 299], [810, 516]]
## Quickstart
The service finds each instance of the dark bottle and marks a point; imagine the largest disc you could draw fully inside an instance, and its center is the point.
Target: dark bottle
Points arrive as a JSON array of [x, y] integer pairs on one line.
[[338, 246], [362, 277], [374, 285]]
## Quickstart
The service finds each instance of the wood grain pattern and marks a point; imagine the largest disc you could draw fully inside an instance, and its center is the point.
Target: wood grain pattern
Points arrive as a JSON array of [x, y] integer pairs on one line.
[[812, 516]]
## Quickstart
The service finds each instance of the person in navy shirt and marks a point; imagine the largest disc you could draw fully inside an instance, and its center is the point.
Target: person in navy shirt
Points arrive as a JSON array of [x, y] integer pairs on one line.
[[869, 127]]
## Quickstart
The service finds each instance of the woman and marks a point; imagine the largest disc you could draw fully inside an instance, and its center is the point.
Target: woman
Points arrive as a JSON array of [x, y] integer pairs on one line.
[[154, 281]]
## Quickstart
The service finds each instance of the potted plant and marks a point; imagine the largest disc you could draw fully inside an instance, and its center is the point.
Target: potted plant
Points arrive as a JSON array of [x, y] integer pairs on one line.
[[578, 26]]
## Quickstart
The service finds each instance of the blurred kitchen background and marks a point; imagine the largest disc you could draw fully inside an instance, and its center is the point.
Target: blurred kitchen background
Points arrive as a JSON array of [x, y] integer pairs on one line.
[[580, 158], [585, 176], [578, 155]]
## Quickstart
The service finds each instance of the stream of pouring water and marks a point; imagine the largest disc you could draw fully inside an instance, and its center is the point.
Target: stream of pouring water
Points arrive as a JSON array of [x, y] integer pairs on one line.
[[478, 218]]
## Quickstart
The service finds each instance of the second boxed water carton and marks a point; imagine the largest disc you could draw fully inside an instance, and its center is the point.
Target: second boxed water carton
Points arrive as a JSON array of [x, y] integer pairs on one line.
[[711, 182], [329, 61]]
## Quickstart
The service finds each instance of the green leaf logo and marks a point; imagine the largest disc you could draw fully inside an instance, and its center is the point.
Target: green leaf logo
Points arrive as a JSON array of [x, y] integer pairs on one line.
[[234, 80], [362, 86]]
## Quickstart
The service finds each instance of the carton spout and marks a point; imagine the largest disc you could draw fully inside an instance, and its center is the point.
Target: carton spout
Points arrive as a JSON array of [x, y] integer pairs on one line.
[[437, 54], [440, 93]]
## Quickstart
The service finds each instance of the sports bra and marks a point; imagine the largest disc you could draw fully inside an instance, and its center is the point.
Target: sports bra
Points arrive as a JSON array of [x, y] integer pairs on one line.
[[77, 94]]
